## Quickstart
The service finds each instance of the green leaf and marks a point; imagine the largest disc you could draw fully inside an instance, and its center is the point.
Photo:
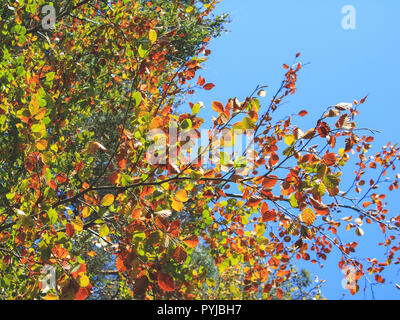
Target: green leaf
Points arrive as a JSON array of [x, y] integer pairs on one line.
[[331, 181], [186, 124], [196, 109], [225, 158], [104, 231], [293, 201], [240, 162], [53, 216], [142, 52], [137, 97], [248, 124]]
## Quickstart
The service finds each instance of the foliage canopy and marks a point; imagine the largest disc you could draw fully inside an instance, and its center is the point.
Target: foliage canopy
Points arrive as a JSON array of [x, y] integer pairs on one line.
[[81, 176]]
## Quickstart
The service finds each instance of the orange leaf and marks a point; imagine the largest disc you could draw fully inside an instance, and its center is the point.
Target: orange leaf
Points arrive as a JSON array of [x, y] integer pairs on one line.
[[217, 106], [41, 145], [279, 293], [254, 202], [191, 241], [119, 264], [269, 182], [308, 216], [330, 159], [269, 216]]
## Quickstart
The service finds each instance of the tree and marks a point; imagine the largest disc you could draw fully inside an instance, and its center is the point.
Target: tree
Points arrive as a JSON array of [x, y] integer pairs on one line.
[[97, 153]]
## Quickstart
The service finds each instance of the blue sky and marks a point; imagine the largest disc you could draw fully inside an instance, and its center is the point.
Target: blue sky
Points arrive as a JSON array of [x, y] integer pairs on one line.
[[343, 65]]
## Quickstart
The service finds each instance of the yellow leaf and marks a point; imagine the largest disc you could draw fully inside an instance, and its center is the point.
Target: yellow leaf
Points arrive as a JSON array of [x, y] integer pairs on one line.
[[83, 281], [177, 205], [308, 216], [86, 212], [104, 231], [152, 36], [41, 145], [107, 200], [290, 139], [182, 195], [51, 296], [78, 224], [33, 106]]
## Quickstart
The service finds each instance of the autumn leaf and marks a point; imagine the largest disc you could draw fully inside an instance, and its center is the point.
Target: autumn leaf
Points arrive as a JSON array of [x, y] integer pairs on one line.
[[165, 282], [270, 181], [107, 200], [78, 224], [329, 159], [83, 281], [152, 36], [69, 230], [176, 204], [104, 231], [217, 106], [308, 216], [279, 293], [182, 195], [41, 145], [191, 241], [208, 86], [180, 255]]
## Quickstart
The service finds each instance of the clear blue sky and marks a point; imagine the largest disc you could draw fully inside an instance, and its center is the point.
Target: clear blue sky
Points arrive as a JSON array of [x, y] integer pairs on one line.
[[344, 65]]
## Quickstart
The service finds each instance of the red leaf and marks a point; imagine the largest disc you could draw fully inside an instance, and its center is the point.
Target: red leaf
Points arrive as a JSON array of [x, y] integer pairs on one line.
[[69, 230], [165, 282], [82, 293], [208, 86], [201, 81], [330, 159], [363, 99], [264, 208], [61, 178], [303, 113], [180, 255], [366, 204], [254, 202], [279, 293], [269, 216], [379, 278]]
